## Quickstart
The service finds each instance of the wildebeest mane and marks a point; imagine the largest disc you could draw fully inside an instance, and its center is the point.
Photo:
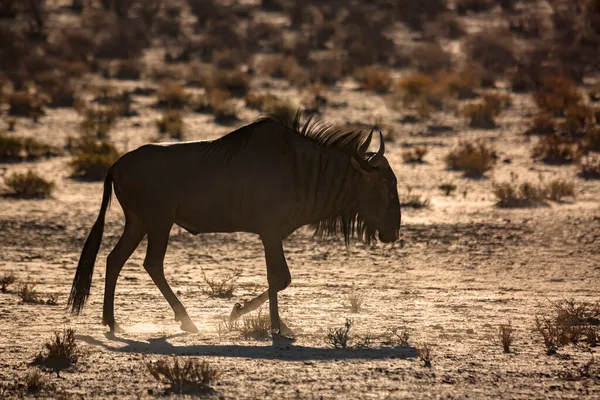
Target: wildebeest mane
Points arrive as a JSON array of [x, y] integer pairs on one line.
[[348, 222]]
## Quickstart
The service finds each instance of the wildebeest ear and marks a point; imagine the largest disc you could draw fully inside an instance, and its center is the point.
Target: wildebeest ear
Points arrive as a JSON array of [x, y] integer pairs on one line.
[[364, 170]]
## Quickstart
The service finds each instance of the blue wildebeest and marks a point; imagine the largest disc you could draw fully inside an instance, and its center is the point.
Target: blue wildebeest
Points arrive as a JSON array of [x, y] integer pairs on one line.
[[269, 178]]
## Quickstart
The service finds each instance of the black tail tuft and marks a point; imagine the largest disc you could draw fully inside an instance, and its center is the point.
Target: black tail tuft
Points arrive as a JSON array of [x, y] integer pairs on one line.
[[85, 269]]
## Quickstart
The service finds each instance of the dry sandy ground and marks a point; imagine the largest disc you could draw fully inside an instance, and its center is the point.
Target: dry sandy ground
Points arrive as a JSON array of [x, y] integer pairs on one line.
[[463, 267]]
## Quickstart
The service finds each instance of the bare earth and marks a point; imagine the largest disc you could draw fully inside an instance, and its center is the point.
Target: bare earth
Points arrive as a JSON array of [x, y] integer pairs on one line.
[[463, 267]]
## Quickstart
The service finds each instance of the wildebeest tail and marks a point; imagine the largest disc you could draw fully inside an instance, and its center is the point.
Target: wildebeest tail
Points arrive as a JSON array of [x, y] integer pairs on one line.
[[85, 268]]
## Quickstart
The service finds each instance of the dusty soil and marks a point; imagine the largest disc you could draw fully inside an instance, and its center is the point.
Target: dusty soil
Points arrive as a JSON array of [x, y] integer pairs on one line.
[[462, 268]]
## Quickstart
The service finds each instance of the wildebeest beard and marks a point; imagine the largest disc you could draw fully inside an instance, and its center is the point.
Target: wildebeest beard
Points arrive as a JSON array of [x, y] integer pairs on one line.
[[348, 221]]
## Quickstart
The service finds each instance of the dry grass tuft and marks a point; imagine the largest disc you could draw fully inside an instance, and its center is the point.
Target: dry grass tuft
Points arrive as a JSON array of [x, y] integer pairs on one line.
[[14, 149], [472, 158], [374, 78], [35, 380], [6, 280], [397, 336], [171, 123], [424, 353], [98, 121], [355, 301], [557, 189], [93, 158], [556, 150], [223, 288], [171, 94], [415, 154], [24, 104], [505, 336], [589, 370], [526, 194], [60, 353], [481, 115], [193, 376], [29, 185], [542, 124], [571, 322], [257, 327], [591, 139], [557, 94], [494, 50], [589, 168], [339, 338], [28, 294]]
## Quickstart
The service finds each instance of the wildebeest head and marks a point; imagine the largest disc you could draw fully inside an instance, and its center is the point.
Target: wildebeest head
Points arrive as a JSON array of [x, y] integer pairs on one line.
[[378, 202]]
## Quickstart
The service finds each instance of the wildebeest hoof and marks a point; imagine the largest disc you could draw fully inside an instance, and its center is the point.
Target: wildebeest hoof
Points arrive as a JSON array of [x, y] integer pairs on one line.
[[282, 341], [113, 326], [236, 312], [188, 326], [285, 330]]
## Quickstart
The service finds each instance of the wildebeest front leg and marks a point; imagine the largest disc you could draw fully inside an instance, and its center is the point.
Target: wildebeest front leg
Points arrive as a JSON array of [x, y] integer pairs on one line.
[[278, 277], [154, 265]]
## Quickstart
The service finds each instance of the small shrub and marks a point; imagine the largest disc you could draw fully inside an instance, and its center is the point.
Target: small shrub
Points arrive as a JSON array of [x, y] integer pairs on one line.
[[98, 122], [476, 6], [93, 158], [472, 158], [415, 154], [35, 380], [19, 149], [493, 49], [481, 115], [235, 82], [6, 280], [589, 370], [171, 123], [424, 352], [555, 150], [589, 168], [591, 139], [355, 301], [260, 101], [557, 189], [569, 323], [171, 94], [24, 104], [339, 338], [505, 336], [414, 86], [523, 195], [223, 288], [374, 78], [29, 185], [60, 353], [192, 376], [447, 188], [556, 95], [130, 69], [28, 294], [430, 57], [542, 124], [257, 326], [398, 336]]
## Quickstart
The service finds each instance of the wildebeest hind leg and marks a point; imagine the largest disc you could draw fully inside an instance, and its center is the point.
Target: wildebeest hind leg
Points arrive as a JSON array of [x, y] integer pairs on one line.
[[154, 265], [132, 235]]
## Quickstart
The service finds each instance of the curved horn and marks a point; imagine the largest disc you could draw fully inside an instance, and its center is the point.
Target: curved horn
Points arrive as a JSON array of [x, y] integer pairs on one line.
[[365, 146], [381, 150]]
